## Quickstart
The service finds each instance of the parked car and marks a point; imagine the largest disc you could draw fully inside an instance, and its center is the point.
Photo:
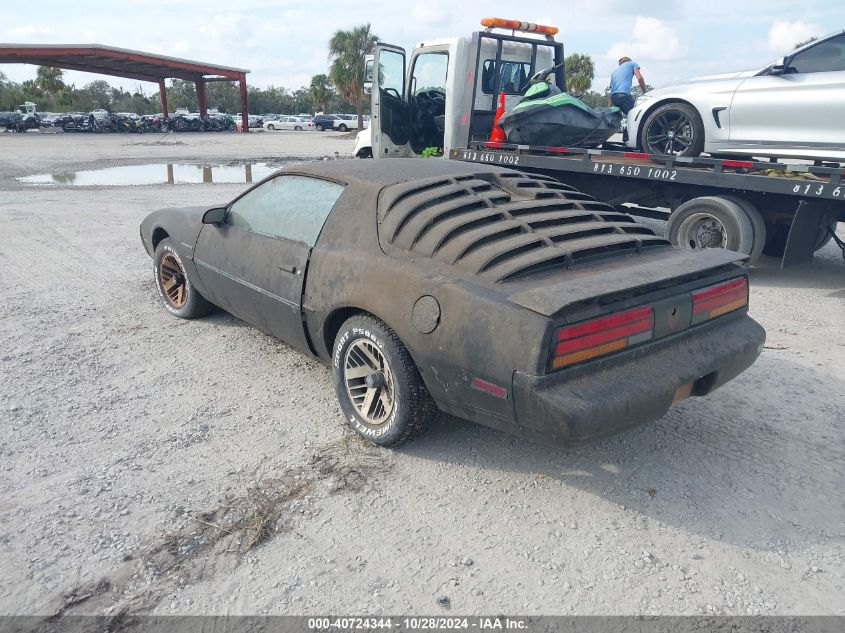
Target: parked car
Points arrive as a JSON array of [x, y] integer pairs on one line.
[[508, 299], [325, 122], [346, 122], [790, 108], [288, 123], [255, 121]]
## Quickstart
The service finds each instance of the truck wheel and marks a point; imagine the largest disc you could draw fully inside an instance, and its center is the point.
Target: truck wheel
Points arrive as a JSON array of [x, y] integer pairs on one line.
[[179, 296], [365, 152], [378, 386], [675, 129], [711, 222], [757, 225], [342, 127]]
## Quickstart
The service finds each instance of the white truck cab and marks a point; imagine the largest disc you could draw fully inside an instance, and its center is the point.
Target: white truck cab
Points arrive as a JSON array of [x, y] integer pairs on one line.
[[446, 95]]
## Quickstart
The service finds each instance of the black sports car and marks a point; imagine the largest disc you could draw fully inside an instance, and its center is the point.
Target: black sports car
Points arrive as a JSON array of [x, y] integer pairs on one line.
[[507, 299]]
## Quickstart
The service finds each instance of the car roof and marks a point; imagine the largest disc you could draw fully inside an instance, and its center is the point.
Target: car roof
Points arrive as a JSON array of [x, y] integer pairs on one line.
[[383, 172]]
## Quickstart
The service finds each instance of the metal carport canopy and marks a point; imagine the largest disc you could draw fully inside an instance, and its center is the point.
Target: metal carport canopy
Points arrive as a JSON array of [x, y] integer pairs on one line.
[[121, 62]]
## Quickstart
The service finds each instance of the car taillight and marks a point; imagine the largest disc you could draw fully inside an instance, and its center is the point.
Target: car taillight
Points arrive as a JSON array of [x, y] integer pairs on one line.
[[714, 301], [597, 337]]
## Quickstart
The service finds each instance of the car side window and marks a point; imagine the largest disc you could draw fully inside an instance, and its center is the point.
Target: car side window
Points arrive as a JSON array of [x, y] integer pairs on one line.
[[292, 207], [827, 56]]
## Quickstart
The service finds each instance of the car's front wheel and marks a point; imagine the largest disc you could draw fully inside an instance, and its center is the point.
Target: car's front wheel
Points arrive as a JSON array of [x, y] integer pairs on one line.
[[342, 127], [175, 289], [272, 128], [674, 129], [319, 128], [380, 390]]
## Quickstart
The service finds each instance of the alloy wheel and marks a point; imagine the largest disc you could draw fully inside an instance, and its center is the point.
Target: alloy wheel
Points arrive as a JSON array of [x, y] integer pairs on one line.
[[173, 281], [369, 382], [672, 132]]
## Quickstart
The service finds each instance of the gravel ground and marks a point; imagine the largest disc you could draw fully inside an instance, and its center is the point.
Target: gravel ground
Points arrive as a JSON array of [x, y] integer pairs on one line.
[[199, 467]]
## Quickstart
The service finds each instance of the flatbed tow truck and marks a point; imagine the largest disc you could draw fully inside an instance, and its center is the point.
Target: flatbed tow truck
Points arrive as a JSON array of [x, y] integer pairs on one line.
[[446, 97]]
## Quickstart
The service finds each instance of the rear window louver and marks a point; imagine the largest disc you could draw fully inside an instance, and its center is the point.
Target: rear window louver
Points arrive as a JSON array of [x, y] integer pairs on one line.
[[506, 226]]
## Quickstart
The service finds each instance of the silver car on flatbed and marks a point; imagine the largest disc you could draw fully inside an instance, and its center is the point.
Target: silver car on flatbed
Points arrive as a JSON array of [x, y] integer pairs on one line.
[[792, 109]]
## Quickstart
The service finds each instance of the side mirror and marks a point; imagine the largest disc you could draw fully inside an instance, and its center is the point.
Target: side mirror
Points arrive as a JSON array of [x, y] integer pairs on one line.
[[369, 60], [215, 215], [780, 66]]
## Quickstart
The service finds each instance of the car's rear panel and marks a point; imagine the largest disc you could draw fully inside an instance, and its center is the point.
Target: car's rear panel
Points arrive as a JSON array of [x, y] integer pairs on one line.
[[612, 294]]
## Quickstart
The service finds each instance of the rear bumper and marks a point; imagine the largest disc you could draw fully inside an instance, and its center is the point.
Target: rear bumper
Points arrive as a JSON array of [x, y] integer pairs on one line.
[[569, 409]]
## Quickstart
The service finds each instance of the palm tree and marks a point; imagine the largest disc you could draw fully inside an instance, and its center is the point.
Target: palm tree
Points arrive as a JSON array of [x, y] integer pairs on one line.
[[580, 71], [347, 50], [321, 91], [50, 81]]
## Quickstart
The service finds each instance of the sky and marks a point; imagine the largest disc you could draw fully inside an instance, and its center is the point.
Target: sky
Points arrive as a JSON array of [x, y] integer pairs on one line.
[[285, 43]]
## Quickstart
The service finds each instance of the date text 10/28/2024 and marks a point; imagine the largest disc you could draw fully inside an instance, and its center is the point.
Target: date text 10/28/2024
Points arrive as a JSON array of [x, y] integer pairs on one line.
[[421, 623]]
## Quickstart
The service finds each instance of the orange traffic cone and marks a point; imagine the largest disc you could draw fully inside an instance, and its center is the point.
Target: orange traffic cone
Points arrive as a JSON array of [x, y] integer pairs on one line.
[[497, 134]]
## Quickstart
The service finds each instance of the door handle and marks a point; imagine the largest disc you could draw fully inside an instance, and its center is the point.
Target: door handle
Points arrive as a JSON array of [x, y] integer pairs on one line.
[[291, 270]]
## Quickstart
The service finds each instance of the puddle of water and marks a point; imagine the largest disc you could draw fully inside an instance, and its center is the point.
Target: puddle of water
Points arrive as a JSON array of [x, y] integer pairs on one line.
[[157, 174]]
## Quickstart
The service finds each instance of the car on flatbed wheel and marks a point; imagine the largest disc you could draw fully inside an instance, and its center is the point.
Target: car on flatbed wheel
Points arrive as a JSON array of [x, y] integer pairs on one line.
[[504, 298]]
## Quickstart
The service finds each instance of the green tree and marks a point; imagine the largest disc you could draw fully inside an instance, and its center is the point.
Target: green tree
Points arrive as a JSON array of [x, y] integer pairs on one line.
[[321, 91], [637, 92], [49, 80], [346, 51], [580, 71], [100, 93]]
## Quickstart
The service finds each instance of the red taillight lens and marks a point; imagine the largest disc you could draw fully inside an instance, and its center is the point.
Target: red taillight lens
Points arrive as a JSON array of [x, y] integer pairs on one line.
[[713, 301], [596, 337]]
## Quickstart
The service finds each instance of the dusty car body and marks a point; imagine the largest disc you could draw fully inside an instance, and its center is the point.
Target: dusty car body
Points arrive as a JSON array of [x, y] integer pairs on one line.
[[523, 304]]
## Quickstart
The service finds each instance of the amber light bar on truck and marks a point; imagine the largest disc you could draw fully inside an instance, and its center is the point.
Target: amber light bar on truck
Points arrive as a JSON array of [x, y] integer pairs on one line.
[[596, 337], [517, 25], [714, 301]]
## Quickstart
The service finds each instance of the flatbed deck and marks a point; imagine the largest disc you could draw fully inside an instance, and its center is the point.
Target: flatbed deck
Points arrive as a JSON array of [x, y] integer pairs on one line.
[[797, 202]]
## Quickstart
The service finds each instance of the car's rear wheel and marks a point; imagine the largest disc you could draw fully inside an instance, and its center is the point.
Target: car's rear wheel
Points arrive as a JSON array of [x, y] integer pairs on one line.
[[319, 128], [298, 128], [378, 386], [711, 222], [175, 289], [342, 127], [675, 129]]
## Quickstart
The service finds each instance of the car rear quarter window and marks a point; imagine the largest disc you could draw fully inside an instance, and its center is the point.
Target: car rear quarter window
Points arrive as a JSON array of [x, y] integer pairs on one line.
[[291, 207]]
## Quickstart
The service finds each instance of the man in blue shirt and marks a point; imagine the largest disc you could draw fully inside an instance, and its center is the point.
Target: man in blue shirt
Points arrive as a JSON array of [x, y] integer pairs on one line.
[[620, 87]]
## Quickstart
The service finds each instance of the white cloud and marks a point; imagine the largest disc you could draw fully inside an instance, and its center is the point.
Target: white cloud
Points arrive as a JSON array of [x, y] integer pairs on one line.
[[784, 35], [29, 31], [431, 14], [652, 39]]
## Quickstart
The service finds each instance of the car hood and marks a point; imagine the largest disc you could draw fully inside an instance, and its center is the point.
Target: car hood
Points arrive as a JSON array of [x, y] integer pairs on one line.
[[705, 79]]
